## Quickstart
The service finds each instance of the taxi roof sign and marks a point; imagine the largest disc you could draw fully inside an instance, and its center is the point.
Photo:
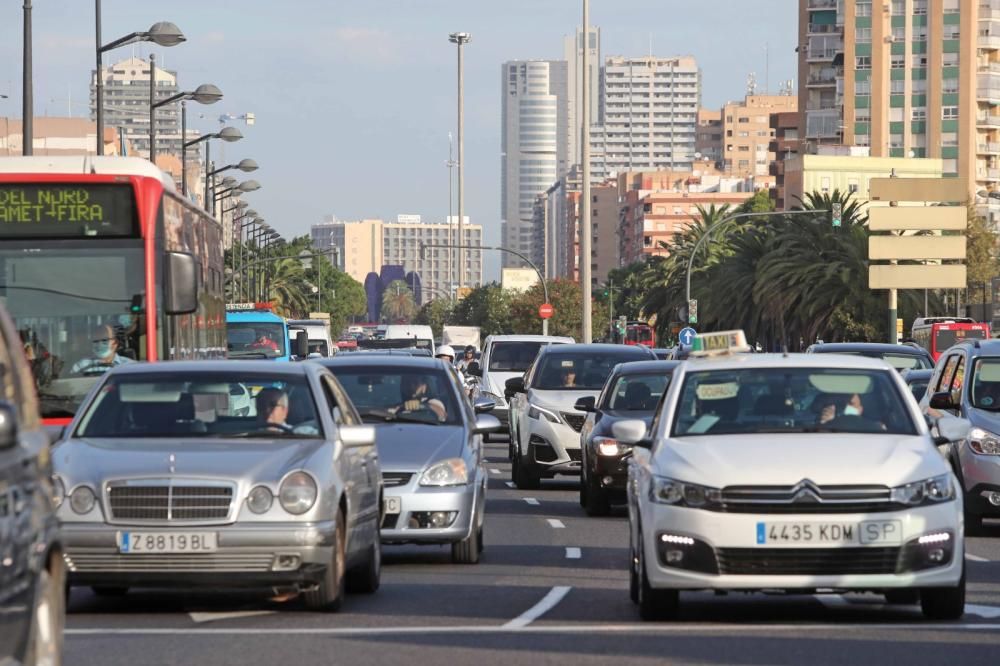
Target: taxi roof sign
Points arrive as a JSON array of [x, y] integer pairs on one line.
[[720, 342], [249, 307]]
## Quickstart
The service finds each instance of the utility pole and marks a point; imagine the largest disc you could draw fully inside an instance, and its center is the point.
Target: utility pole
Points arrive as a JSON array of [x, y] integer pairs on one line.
[[611, 310], [586, 221], [451, 163], [460, 39], [27, 90], [893, 294]]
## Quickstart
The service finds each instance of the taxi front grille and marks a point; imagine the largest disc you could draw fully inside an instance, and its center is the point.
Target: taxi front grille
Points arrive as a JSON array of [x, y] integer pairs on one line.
[[807, 561], [575, 421], [169, 501], [807, 497]]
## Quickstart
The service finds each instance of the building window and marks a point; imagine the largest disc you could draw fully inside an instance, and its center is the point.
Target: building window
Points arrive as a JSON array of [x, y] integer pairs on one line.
[[862, 35], [919, 113], [898, 62], [852, 185], [862, 139], [919, 7], [949, 112], [863, 62], [897, 87], [918, 86], [825, 184], [895, 140], [863, 87], [862, 115], [949, 59], [949, 166], [898, 7], [899, 34], [949, 86], [863, 8], [951, 32], [920, 33], [952, 6], [949, 139]]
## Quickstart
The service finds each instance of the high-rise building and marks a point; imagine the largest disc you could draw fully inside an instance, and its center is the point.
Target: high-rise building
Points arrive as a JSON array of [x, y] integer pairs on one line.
[[573, 54], [365, 246], [785, 145], [708, 143], [533, 147], [907, 78], [126, 106], [650, 114], [746, 136]]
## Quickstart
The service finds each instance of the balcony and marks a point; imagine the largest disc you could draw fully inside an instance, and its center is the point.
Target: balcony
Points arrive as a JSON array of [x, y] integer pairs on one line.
[[989, 68], [989, 94], [990, 42], [987, 120], [825, 124], [989, 10], [988, 174], [813, 5], [988, 148], [824, 29]]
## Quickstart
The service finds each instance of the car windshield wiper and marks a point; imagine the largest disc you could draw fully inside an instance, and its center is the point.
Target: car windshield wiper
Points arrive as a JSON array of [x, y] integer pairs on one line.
[[389, 417], [248, 354], [265, 434]]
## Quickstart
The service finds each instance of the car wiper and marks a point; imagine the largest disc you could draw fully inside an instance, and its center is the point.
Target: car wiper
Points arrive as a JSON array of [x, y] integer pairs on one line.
[[795, 429], [245, 354], [389, 417], [261, 434]]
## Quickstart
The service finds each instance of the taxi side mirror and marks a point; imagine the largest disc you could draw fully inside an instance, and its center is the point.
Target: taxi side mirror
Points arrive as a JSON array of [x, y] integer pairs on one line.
[[512, 386], [586, 404], [952, 429], [942, 400], [631, 431], [301, 344]]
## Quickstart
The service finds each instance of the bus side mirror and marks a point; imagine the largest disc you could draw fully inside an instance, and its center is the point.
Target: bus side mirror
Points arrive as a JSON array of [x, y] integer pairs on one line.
[[181, 283], [302, 344]]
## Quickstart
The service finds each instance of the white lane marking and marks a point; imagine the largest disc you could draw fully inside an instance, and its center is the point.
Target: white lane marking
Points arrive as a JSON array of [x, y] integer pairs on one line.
[[212, 617], [494, 470], [573, 553], [555, 524], [548, 602], [510, 484], [985, 612], [646, 628], [838, 601], [532, 501], [975, 558]]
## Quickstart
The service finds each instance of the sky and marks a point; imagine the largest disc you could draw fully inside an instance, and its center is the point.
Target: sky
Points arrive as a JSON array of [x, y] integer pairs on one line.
[[354, 99]]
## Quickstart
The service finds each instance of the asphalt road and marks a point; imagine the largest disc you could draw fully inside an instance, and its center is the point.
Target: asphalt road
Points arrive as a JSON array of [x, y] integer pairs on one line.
[[552, 587]]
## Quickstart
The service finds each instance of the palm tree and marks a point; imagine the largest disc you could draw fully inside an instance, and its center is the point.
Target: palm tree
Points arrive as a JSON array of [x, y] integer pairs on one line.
[[398, 303], [289, 291]]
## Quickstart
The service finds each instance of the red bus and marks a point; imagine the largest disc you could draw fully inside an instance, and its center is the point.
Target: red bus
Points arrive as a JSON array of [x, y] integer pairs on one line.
[[937, 334], [639, 333], [103, 263]]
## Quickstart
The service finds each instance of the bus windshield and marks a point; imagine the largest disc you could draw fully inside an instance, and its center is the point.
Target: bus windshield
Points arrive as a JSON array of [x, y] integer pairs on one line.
[[255, 339], [945, 339], [73, 310]]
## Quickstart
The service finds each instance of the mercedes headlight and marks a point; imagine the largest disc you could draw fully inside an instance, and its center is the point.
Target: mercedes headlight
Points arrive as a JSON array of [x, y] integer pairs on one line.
[[297, 493], [260, 499], [82, 500], [984, 442], [608, 446], [450, 472], [670, 491], [538, 413], [929, 491]]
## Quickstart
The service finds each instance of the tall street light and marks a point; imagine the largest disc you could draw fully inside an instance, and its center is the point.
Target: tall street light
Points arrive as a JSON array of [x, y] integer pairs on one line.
[[586, 219], [460, 39], [206, 93], [27, 89], [227, 134], [163, 34], [234, 190]]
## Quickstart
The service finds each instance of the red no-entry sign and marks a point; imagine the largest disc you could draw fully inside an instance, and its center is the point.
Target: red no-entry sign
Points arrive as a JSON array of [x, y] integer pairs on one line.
[[545, 310]]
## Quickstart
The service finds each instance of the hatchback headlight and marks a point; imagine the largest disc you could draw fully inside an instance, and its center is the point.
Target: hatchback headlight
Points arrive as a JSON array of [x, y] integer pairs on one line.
[[82, 500], [297, 493], [536, 412], [58, 491], [608, 446], [984, 442], [670, 491], [450, 472], [929, 491], [260, 499]]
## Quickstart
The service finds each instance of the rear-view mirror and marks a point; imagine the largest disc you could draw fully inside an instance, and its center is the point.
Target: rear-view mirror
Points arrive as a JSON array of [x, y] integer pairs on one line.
[[514, 385], [631, 431], [952, 429], [586, 404], [483, 405], [357, 435], [181, 279], [942, 400], [486, 423], [301, 344]]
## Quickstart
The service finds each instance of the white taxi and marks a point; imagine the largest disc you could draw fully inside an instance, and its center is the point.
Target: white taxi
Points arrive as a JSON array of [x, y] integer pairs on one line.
[[810, 473]]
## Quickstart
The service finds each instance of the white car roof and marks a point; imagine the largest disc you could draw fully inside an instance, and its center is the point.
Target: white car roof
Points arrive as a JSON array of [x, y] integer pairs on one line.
[[839, 361], [530, 338]]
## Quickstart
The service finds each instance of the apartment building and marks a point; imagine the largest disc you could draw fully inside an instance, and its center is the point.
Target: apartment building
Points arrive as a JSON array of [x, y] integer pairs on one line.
[[746, 136]]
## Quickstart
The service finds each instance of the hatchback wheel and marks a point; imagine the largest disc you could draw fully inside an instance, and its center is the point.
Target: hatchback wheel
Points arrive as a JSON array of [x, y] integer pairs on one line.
[[597, 503], [654, 604], [467, 550], [944, 603]]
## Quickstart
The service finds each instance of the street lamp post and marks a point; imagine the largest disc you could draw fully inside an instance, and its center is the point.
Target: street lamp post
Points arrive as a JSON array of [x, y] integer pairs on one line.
[[206, 93], [164, 34], [27, 89], [586, 220], [228, 134], [461, 38]]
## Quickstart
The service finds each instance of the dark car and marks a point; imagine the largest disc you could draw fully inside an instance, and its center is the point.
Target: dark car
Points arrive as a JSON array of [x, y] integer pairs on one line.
[[32, 572], [633, 391], [917, 381], [966, 383], [902, 357]]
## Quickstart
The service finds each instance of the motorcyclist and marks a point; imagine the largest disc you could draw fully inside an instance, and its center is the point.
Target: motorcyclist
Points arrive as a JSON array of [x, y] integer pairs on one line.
[[468, 358]]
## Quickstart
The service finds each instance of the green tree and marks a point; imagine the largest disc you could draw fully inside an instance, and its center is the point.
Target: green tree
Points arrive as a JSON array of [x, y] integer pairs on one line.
[[436, 314], [398, 304], [980, 255], [566, 298], [487, 307]]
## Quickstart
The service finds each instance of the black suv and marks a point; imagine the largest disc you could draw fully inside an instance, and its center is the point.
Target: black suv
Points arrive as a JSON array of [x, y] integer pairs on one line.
[[32, 574], [966, 383]]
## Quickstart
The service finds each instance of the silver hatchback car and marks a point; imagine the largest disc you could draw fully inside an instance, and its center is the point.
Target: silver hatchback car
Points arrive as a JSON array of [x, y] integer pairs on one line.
[[168, 478], [430, 442]]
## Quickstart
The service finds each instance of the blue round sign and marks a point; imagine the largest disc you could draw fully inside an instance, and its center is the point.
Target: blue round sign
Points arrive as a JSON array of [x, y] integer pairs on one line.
[[686, 336]]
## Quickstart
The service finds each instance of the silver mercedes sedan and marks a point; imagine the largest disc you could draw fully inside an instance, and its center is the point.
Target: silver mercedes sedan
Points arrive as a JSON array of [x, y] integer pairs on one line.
[[429, 438], [222, 474]]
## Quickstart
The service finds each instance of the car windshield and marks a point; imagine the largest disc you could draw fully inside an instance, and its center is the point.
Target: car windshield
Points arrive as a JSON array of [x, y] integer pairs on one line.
[[513, 356], [73, 310], [896, 360], [578, 371], [986, 383], [804, 400], [637, 393], [393, 393], [255, 339], [919, 387], [201, 404]]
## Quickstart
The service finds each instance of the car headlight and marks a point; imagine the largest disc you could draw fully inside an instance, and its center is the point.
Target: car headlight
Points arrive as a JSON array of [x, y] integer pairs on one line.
[[536, 412], [608, 446], [984, 442], [670, 491], [929, 491], [260, 499], [450, 472], [297, 493], [58, 491], [82, 500]]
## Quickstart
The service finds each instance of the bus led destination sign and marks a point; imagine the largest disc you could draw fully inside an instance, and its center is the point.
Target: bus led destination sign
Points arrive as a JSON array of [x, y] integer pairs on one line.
[[62, 210]]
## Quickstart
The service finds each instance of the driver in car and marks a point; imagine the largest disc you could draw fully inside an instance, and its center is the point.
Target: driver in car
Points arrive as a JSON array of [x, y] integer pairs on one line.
[[272, 414], [414, 390]]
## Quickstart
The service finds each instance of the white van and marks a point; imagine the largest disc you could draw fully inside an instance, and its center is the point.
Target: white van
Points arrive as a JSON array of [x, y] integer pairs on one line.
[[422, 333], [318, 333]]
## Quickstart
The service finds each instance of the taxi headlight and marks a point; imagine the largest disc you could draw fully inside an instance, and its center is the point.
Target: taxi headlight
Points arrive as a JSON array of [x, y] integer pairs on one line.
[[929, 491], [450, 472], [297, 493], [58, 491], [260, 499], [608, 446], [82, 500], [670, 491], [984, 442], [536, 412]]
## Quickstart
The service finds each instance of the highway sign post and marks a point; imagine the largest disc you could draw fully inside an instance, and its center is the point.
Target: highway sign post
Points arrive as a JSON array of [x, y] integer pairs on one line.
[[545, 310]]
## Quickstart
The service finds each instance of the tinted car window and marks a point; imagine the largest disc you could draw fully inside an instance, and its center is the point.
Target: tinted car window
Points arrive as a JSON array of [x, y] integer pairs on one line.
[[513, 356], [380, 394], [577, 371], [986, 383], [769, 400], [201, 405], [637, 393]]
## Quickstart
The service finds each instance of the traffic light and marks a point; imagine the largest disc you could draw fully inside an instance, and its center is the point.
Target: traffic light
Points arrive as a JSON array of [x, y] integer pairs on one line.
[[836, 213], [693, 311]]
